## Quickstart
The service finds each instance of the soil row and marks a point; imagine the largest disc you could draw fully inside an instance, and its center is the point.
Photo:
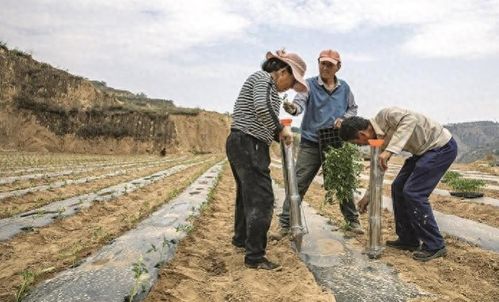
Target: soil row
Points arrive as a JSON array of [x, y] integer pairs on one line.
[[63, 244], [26, 160], [207, 267], [467, 273], [14, 205]]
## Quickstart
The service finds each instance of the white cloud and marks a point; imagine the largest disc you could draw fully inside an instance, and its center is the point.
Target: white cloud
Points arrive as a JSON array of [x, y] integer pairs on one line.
[[437, 28], [466, 36], [357, 57], [152, 27]]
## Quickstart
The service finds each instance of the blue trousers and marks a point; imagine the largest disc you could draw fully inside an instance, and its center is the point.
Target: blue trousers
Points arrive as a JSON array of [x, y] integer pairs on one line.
[[414, 220]]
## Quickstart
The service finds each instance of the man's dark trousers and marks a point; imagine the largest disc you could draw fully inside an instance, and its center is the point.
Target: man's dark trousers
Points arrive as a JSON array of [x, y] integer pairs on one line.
[[414, 220], [249, 160]]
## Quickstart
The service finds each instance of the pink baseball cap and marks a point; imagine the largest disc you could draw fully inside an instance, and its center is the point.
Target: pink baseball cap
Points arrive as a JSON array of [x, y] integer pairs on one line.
[[297, 64], [330, 55]]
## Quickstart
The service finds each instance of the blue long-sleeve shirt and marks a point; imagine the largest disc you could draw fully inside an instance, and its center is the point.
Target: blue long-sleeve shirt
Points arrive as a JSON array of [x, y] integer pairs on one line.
[[322, 108]]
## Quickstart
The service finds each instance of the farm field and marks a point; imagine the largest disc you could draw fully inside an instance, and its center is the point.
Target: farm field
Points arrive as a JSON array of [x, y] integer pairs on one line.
[[58, 230], [467, 273]]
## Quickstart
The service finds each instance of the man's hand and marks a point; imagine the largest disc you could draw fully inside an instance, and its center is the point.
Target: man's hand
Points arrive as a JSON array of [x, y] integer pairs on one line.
[[337, 122], [289, 107], [286, 135], [362, 205], [383, 159]]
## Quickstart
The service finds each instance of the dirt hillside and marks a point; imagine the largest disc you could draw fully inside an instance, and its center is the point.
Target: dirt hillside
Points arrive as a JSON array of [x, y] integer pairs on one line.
[[45, 109]]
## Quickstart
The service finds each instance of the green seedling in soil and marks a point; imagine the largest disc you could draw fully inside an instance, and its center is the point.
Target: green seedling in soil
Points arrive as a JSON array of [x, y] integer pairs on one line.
[[449, 176], [164, 245], [187, 228], [39, 214], [467, 185], [28, 277], [204, 206], [98, 232], [173, 194], [61, 211], [140, 276], [345, 226]]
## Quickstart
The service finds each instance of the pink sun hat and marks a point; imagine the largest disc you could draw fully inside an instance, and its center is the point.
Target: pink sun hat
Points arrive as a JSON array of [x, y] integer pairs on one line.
[[298, 67]]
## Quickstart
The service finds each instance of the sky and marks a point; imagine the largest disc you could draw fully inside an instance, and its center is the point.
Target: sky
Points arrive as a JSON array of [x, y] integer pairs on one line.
[[437, 57]]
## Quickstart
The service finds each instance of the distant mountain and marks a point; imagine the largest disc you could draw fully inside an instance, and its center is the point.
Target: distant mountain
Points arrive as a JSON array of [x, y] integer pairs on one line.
[[475, 140]]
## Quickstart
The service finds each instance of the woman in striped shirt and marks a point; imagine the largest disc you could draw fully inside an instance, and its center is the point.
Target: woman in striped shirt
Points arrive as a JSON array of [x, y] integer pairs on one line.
[[255, 125]]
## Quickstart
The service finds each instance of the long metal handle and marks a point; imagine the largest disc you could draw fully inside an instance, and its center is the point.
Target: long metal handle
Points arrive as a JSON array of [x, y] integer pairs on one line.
[[374, 245], [291, 187]]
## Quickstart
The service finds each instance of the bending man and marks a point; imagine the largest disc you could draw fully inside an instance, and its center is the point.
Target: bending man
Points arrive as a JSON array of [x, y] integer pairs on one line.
[[433, 150]]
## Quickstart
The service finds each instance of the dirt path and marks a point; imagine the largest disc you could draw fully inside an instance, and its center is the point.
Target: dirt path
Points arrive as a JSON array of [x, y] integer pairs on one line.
[[64, 243], [467, 273], [208, 268]]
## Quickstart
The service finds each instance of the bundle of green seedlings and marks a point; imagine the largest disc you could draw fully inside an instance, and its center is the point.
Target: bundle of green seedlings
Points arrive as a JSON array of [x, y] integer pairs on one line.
[[458, 183], [341, 169]]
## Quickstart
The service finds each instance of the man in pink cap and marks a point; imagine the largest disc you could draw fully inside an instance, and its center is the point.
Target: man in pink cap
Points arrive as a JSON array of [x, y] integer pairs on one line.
[[328, 101]]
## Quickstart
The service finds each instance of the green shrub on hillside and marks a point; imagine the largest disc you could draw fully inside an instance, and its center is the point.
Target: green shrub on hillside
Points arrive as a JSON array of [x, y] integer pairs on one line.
[[20, 53]]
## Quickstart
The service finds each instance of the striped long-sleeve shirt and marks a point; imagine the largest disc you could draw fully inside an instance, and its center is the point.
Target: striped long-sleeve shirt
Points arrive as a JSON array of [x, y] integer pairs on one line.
[[257, 108]]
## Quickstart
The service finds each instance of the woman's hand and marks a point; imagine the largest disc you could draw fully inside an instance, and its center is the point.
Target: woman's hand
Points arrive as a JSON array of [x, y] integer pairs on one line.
[[289, 107], [286, 135]]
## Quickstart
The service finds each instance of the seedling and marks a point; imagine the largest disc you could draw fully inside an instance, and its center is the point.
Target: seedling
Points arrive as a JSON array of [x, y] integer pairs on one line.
[[342, 167], [164, 245], [28, 277], [187, 228], [140, 276], [467, 185], [98, 232], [450, 176], [345, 226]]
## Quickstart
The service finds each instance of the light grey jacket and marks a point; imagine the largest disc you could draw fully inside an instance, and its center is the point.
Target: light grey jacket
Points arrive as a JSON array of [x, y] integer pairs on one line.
[[409, 131]]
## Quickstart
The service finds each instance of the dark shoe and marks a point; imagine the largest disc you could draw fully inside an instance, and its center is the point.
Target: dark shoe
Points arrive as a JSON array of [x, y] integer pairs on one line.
[[283, 232], [397, 244], [355, 227], [238, 244], [263, 264], [424, 255]]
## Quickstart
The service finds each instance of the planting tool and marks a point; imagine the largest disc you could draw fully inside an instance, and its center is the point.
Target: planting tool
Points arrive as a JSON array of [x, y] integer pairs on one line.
[[374, 247], [291, 189]]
